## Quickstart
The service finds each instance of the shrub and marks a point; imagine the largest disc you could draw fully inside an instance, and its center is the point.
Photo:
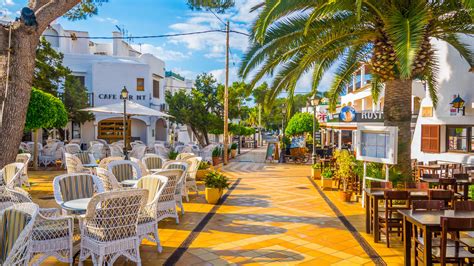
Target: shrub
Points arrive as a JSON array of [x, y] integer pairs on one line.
[[172, 155], [299, 124], [216, 152], [316, 166], [327, 173], [345, 164], [233, 146], [203, 165], [215, 179]]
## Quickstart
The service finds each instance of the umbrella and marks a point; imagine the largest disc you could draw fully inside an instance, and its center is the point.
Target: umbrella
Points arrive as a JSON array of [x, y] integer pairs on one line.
[[133, 109]]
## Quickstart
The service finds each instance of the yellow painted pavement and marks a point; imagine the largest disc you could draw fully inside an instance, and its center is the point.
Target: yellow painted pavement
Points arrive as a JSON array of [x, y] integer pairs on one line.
[[273, 216]]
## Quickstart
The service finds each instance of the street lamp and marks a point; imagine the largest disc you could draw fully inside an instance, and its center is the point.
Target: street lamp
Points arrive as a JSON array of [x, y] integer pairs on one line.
[[314, 103], [283, 148], [124, 94]]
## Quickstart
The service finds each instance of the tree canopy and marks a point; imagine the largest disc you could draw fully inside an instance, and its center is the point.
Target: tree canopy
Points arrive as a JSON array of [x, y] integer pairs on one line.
[[300, 123], [45, 111]]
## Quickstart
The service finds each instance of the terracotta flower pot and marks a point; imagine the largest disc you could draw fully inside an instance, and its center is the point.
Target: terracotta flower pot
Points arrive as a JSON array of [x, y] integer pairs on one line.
[[316, 173], [345, 196], [216, 160], [213, 195], [233, 153]]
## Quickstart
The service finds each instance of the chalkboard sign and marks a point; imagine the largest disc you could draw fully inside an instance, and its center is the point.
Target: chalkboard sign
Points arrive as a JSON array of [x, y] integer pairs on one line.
[[317, 137]]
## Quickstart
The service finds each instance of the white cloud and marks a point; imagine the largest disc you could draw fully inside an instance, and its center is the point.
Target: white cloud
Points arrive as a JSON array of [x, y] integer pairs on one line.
[[108, 19], [211, 44], [160, 52], [188, 74], [219, 74], [7, 3], [243, 11]]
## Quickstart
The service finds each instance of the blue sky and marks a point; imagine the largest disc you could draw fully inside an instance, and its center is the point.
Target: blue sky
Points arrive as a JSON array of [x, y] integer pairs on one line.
[[187, 55]]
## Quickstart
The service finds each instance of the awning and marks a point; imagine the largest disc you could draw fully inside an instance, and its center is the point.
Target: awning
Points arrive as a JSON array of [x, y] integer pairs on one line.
[[133, 109]]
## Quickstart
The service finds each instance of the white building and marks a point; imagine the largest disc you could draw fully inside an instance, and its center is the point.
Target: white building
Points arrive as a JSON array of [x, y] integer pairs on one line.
[[443, 132], [174, 82], [104, 69]]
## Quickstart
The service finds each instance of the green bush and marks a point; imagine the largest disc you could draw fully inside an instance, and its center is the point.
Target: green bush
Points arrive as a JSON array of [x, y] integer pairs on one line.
[[316, 166], [172, 155], [327, 173], [45, 111], [203, 165], [299, 124], [233, 146], [215, 179], [216, 152]]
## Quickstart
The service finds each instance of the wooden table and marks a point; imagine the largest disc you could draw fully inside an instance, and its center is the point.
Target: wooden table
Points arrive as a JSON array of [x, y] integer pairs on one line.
[[465, 183], [372, 197], [429, 221]]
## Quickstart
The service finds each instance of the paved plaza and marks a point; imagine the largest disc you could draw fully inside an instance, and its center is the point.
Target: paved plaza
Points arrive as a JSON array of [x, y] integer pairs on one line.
[[272, 214]]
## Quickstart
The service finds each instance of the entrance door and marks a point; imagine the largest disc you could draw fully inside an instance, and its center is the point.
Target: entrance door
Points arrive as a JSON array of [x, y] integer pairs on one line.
[[111, 130]]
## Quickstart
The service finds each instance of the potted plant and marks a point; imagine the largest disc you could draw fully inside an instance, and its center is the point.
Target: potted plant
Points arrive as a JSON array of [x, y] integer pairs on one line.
[[233, 150], [316, 171], [172, 155], [203, 169], [326, 180], [215, 183], [216, 156], [345, 162]]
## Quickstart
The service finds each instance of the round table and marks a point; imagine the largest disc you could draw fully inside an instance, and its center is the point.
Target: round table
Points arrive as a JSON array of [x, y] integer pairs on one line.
[[77, 205], [129, 182]]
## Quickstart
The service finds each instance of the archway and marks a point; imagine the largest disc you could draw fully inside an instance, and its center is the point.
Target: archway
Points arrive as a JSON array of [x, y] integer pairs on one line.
[[160, 130]]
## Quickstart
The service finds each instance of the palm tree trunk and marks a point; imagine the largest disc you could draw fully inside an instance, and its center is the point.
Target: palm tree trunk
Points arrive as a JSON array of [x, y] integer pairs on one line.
[[397, 112]]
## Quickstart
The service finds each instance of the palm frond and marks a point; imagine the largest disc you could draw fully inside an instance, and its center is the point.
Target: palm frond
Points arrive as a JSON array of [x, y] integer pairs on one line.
[[376, 88], [406, 29], [464, 49]]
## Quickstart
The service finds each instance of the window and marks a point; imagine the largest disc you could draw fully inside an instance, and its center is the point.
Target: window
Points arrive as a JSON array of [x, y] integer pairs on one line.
[[140, 84], [156, 89], [375, 144], [430, 138], [81, 80], [458, 138]]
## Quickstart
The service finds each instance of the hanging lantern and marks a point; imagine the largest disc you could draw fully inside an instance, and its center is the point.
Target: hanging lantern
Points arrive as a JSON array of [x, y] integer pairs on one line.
[[458, 103]]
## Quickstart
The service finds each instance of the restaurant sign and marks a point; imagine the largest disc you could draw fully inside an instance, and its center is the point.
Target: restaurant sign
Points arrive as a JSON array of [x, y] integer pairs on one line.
[[348, 114], [110, 96]]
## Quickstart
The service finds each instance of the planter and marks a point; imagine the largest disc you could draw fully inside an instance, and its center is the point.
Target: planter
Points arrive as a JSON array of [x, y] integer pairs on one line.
[[345, 196], [201, 174], [326, 183], [216, 160], [213, 195], [316, 173], [233, 153]]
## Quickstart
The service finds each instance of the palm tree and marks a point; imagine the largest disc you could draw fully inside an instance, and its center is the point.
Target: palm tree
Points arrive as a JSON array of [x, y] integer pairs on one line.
[[290, 38]]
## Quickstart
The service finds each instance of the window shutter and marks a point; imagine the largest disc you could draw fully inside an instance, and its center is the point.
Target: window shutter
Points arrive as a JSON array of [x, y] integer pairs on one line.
[[430, 141]]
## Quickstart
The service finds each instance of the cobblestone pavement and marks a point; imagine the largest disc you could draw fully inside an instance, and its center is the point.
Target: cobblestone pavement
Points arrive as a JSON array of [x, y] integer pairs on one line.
[[272, 214]]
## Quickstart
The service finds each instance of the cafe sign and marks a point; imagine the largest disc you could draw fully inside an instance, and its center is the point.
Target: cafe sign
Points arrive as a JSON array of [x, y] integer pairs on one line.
[[348, 114], [111, 96]]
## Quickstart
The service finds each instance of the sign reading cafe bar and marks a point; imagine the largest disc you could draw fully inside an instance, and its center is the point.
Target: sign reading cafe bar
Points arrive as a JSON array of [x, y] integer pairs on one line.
[[348, 114], [109, 96]]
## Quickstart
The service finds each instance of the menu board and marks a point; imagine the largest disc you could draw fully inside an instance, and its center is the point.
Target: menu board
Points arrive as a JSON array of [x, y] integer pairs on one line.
[[377, 144]]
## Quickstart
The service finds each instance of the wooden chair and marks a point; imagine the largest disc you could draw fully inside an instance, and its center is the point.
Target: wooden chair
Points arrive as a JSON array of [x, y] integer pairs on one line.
[[464, 205], [390, 221], [445, 195], [381, 184], [431, 176], [460, 188], [457, 253], [427, 205]]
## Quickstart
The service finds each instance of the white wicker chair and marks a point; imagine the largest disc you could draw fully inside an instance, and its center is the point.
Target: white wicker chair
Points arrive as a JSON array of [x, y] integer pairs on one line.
[[52, 234], [19, 219], [74, 165], [72, 148], [206, 152], [153, 162], [24, 158], [116, 150], [181, 186], [75, 141], [142, 166], [191, 174], [75, 186], [167, 201], [98, 151], [108, 179], [138, 151], [109, 227], [125, 170], [148, 221], [161, 150], [49, 154], [11, 174], [185, 155], [105, 162]]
